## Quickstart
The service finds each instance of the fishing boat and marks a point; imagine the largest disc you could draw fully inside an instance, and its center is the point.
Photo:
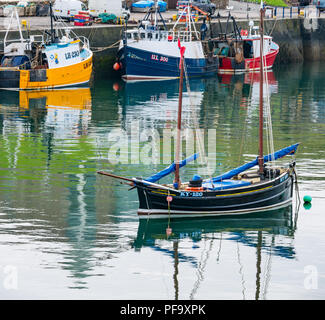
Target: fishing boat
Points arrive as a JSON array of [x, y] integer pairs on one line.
[[58, 59], [239, 51], [238, 191], [149, 52]]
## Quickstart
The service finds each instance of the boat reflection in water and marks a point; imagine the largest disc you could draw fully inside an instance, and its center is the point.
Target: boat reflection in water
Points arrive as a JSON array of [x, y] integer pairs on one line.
[[279, 221], [270, 233], [79, 98], [251, 82], [156, 105], [68, 110]]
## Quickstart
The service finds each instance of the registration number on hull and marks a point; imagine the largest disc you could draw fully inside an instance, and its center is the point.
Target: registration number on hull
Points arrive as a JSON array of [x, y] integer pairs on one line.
[[156, 58], [191, 194]]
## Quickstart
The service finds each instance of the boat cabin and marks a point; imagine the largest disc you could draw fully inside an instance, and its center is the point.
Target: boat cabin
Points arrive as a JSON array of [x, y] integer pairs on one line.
[[35, 54], [248, 47]]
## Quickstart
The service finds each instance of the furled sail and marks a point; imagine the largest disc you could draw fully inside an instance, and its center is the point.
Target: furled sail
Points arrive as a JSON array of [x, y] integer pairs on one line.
[[157, 176], [277, 155]]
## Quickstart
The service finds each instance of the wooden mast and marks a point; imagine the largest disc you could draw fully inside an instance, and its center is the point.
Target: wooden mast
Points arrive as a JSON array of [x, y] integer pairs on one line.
[[179, 122], [52, 29], [260, 157]]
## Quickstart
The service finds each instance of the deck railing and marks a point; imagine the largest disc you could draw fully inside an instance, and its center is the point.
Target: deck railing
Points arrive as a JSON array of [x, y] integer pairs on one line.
[[171, 35]]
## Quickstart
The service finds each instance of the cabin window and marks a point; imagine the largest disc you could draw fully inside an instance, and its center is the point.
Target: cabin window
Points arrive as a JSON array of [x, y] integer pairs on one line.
[[248, 49], [129, 35], [142, 35], [157, 35], [136, 36], [149, 35]]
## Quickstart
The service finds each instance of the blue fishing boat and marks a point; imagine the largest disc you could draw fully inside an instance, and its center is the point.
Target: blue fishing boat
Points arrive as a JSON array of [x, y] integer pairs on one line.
[[150, 51], [239, 191]]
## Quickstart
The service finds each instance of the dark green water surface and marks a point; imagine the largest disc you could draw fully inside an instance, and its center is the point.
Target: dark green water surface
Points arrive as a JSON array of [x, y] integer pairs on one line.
[[68, 233]]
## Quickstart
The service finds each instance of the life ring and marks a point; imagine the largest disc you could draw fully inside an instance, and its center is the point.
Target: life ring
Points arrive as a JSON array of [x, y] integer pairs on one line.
[[244, 33]]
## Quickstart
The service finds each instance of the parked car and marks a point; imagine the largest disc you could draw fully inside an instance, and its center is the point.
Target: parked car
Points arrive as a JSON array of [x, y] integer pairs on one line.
[[204, 5], [144, 5], [304, 3], [42, 10], [320, 4], [115, 7]]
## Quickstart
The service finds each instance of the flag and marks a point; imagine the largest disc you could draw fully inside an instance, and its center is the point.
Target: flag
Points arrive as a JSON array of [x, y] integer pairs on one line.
[[182, 51]]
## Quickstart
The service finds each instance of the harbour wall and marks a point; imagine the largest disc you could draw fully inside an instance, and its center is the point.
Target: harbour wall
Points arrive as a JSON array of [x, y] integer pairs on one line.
[[300, 39]]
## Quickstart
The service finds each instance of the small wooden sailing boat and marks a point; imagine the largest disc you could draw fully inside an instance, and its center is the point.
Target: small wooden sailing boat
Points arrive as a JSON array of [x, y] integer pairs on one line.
[[39, 63], [235, 192], [149, 52]]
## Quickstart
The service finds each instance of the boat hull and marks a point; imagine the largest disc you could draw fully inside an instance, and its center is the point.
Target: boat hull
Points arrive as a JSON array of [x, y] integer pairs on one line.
[[73, 75], [137, 64], [264, 196], [230, 66]]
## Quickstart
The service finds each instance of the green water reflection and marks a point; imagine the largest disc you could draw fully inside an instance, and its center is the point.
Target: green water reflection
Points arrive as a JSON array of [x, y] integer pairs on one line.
[[62, 216]]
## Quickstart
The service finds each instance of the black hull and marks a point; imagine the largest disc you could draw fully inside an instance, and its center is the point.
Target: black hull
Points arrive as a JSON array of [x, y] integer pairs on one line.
[[268, 195]]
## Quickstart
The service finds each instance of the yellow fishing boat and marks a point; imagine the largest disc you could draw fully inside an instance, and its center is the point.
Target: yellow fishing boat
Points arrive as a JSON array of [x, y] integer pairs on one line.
[[45, 62]]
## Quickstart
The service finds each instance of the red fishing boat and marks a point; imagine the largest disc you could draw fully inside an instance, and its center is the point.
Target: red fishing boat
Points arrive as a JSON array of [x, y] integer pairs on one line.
[[239, 50]]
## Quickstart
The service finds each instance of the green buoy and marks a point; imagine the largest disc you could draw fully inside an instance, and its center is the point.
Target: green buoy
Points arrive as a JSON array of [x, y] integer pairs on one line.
[[307, 199], [307, 205]]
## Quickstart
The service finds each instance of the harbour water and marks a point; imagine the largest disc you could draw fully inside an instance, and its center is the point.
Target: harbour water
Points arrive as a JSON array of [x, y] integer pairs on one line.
[[68, 233]]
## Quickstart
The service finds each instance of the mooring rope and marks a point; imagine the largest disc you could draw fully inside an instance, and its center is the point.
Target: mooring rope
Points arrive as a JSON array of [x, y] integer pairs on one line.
[[273, 27], [99, 49]]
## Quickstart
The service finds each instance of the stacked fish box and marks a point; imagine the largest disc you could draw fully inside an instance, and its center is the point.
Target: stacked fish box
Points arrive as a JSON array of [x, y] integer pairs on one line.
[[82, 19]]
